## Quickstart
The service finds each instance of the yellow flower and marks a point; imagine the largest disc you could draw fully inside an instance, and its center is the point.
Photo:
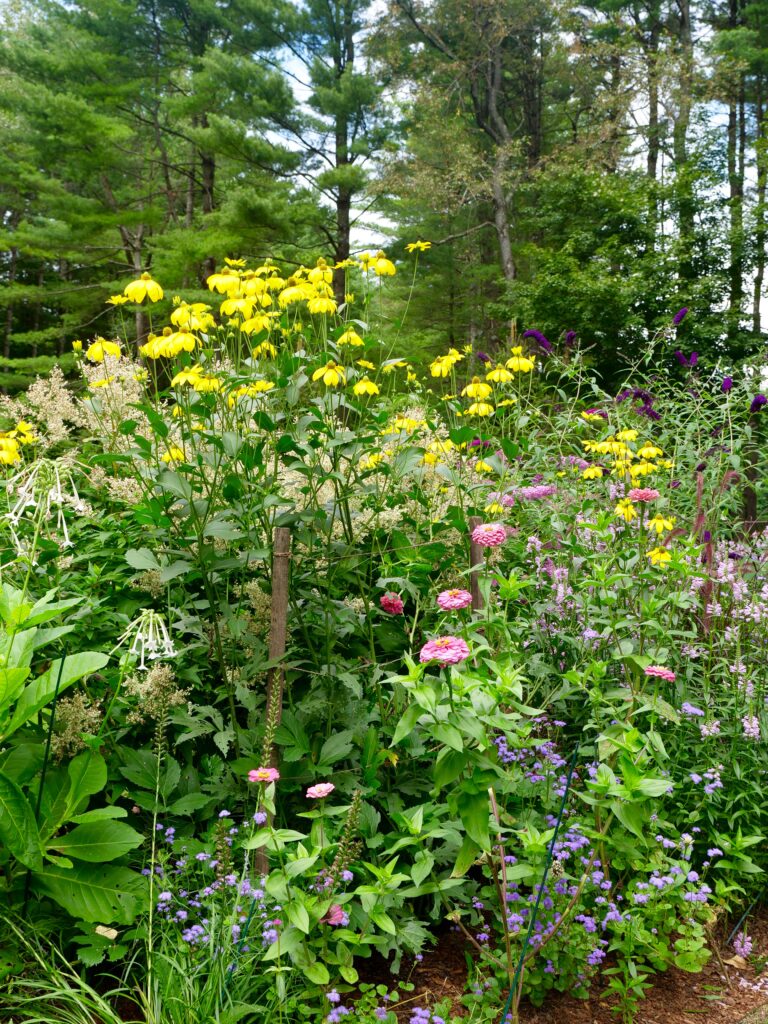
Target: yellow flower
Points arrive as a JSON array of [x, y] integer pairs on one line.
[[350, 337], [495, 509], [206, 382], [627, 435], [442, 366], [418, 246], [480, 409], [395, 364], [264, 348], [260, 322], [507, 401], [234, 305], [225, 282], [621, 466], [173, 454], [179, 341], [498, 375], [660, 523], [477, 389], [519, 363], [192, 316], [365, 387], [258, 387], [626, 510], [370, 461], [649, 451], [143, 288], [592, 417], [101, 348], [404, 423], [381, 266], [593, 473], [667, 464], [321, 273], [294, 291], [187, 376], [117, 300], [410, 377], [9, 451], [331, 374], [642, 469], [25, 432], [77, 346], [103, 383], [321, 304], [659, 556], [483, 467], [349, 297], [365, 364], [234, 263]]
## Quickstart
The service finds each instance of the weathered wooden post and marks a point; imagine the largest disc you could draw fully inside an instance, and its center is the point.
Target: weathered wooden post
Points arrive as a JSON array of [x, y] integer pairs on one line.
[[475, 559], [278, 628]]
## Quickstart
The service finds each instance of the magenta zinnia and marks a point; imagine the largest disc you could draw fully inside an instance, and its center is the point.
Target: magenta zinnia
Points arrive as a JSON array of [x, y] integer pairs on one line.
[[263, 775], [490, 535], [320, 791], [448, 650], [643, 494], [391, 603], [452, 600], [661, 673]]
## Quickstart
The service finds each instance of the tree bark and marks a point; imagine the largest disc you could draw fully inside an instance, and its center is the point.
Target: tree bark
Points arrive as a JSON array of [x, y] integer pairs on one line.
[[760, 230]]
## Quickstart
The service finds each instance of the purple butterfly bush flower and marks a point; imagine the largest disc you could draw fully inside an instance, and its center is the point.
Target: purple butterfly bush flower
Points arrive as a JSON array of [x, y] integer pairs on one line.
[[570, 338], [544, 342], [687, 360], [727, 384], [483, 357], [757, 402], [680, 315]]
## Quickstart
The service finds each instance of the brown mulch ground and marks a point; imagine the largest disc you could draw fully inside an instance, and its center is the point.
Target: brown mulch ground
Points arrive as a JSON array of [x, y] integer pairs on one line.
[[711, 996]]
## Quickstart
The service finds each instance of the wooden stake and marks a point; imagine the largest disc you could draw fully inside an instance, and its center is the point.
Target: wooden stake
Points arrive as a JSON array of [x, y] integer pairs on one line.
[[475, 559], [278, 629]]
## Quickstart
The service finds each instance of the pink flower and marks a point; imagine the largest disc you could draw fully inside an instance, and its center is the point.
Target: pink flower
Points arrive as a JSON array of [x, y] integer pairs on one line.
[[490, 535], [391, 603], [643, 494], [263, 775], [448, 650], [320, 791], [451, 600], [336, 916], [661, 673]]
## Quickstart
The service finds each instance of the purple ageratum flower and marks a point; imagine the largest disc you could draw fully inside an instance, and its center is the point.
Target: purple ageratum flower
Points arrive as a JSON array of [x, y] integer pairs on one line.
[[758, 402], [543, 341], [679, 316], [727, 384]]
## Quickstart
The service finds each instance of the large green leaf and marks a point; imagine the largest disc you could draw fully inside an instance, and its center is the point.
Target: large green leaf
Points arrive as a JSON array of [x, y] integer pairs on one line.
[[11, 683], [101, 895], [97, 841], [42, 690], [18, 830]]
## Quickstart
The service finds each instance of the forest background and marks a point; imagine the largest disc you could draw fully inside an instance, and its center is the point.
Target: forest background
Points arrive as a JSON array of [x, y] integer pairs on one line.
[[585, 168]]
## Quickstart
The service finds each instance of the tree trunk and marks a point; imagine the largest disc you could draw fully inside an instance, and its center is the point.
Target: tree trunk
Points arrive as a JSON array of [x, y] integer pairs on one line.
[[501, 218], [760, 230], [14, 253], [685, 199]]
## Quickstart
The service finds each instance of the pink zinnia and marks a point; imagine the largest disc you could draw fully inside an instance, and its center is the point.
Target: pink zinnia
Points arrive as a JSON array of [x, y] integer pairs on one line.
[[661, 673], [490, 535], [452, 600], [392, 603], [643, 494], [448, 650], [320, 791], [263, 775]]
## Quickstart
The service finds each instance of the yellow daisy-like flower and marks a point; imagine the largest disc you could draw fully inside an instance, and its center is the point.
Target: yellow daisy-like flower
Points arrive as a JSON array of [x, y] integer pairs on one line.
[[193, 316], [77, 346], [627, 435], [321, 304], [101, 348], [321, 273], [660, 523], [226, 282], [418, 246], [234, 263], [484, 467], [370, 461], [258, 387], [494, 509], [477, 389], [381, 266], [206, 382], [350, 337], [103, 383], [117, 300], [239, 305], [642, 469], [404, 423], [25, 432], [519, 363], [659, 556], [331, 374], [264, 348], [592, 473], [625, 510], [442, 366], [365, 364], [480, 409], [410, 377], [649, 451], [621, 466], [9, 451], [366, 387], [143, 288], [507, 401], [499, 375], [396, 364], [187, 376], [592, 417], [260, 322], [174, 454]]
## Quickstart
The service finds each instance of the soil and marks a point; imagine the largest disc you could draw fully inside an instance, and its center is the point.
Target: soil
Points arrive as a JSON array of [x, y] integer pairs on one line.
[[727, 991]]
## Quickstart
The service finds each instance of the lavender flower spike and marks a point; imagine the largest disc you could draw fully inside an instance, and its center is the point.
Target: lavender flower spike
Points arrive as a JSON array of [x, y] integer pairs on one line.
[[545, 343], [679, 316]]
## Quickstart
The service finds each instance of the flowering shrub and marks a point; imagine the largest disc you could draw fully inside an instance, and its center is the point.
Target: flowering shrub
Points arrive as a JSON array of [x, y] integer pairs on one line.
[[557, 746]]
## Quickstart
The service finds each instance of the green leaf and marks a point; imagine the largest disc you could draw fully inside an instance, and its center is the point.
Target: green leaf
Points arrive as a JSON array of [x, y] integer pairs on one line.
[[101, 895], [407, 723], [474, 810], [448, 735], [141, 558], [449, 766], [11, 684], [297, 914], [99, 814], [466, 858], [422, 865], [97, 841], [383, 921], [18, 830], [87, 776], [42, 690], [190, 803], [317, 973], [336, 747]]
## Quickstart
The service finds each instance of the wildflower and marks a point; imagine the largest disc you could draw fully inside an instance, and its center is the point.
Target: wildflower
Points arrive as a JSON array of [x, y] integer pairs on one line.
[[349, 337], [687, 360], [321, 273], [77, 346], [331, 374], [370, 461], [659, 523], [481, 466], [480, 409], [365, 387], [143, 288], [660, 672], [680, 316], [443, 365], [321, 304], [519, 363], [174, 454], [117, 300], [336, 915], [391, 603], [187, 376], [627, 435], [264, 348], [381, 266], [538, 492], [499, 375], [545, 343], [708, 729], [100, 349], [447, 650], [477, 389], [592, 473], [594, 415], [263, 775], [452, 600], [365, 364], [320, 791], [751, 727], [625, 510], [151, 638], [418, 246], [727, 385], [757, 402], [659, 556], [489, 535], [742, 945]]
